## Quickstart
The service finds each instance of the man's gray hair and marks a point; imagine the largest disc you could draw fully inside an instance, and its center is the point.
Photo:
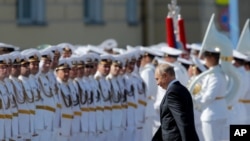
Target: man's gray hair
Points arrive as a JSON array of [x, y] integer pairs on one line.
[[165, 68]]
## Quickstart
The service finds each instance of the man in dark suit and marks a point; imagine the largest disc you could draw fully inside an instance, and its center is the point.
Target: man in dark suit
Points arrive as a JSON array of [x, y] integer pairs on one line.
[[176, 109]]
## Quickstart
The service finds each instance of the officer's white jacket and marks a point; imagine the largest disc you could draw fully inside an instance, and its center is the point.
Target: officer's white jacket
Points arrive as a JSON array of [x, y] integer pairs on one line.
[[147, 74], [181, 73], [98, 102], [211, 98], [105, 92], [117, 114]]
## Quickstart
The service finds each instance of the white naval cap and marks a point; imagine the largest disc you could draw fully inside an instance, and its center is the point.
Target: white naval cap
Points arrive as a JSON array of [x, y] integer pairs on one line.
[[198, 63], [66, 47], [3, 60], [151, 51], [118, 50], [47, 53], [73, 61], [15, 57], [169, 51], [63, 63], [117, 59], [195, 46], [108, 44], [162, 61], [88, 58], [238, 55], [184, 61], [92, 48], [7, 48], [106, 58], [96, 57], [32, 54]]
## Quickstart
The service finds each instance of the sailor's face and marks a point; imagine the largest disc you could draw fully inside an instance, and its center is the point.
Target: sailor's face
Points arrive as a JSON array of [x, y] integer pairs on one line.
[[3, 71], [25, 70], [63, 74], [34, 67]]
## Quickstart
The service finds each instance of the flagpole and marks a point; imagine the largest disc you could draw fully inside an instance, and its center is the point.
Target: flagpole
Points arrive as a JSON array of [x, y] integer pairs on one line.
[[234, 21]]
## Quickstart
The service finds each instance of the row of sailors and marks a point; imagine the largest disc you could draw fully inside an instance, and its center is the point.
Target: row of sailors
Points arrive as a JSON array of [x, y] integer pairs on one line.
[[87, 97]]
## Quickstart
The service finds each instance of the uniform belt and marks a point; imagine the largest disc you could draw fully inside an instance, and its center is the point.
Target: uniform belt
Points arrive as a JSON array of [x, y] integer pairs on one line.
[[92, 109], [2, 116], [144, 103], [33, 112], [108, 108], [59, 106], [15, 114], [117, 107], [219, 98], [39, 107], [8, 116], [24, 112], [125, 106], [244, 100], [99, 108], [77, 113], [48, 108], [85, 109], [68, 116], [131, 104]]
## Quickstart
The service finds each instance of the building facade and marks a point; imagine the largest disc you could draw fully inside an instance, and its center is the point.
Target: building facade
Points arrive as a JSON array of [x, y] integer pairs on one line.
[[29, 23]]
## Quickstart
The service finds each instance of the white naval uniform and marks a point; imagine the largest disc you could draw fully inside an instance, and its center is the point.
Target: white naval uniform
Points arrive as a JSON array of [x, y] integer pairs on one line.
[[105, 94], [7, 110], [212, 104], [14, 122], [122, 87], [141, 105], [49, 107], [54, 86], [94, 93], [117, 113], [39, 112], [2, 116], [66, 111], [181, 73], [76, 124], [238, 112], [247, 98], [99, 109], [132, 107], [23, 109], [30, 100], [147, 73], [83, 99]]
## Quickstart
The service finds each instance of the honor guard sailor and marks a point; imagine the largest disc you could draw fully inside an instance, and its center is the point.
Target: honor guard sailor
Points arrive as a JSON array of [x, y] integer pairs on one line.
[[28, 94], [34, 56], [5, 99], [73, 86], [66, 116], [93, 95], [116, 97], [23, 110], [147, 71], [13, 104], [48, 106], [102, 71]]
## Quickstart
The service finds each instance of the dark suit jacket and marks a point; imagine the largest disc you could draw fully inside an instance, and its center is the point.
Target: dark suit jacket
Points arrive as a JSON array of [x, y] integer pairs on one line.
[[176, 116]]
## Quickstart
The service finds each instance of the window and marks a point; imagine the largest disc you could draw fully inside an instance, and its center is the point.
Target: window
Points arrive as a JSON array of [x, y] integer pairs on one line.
[[93, 10], [31, 12], [132, 15]]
